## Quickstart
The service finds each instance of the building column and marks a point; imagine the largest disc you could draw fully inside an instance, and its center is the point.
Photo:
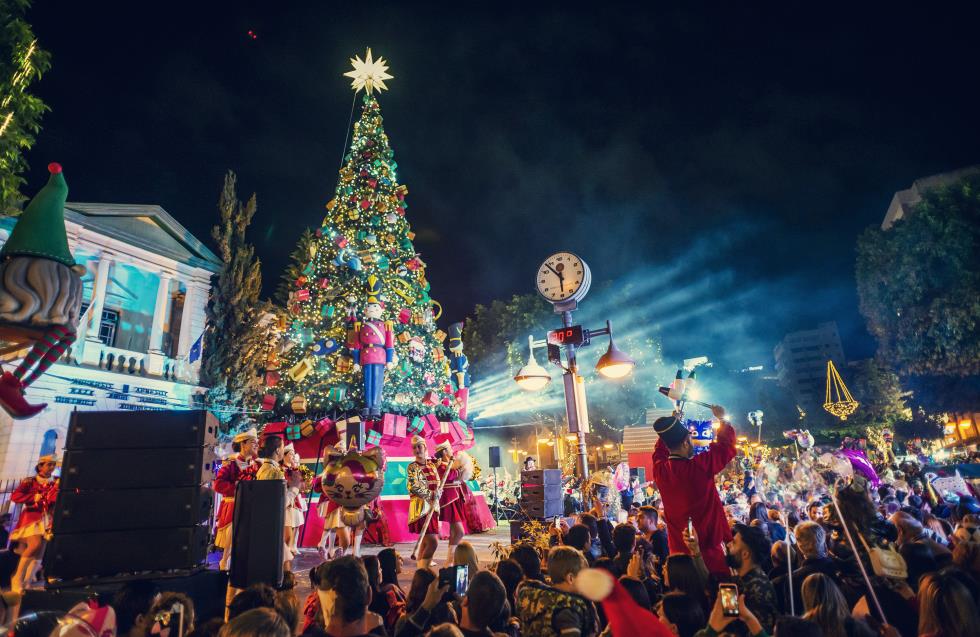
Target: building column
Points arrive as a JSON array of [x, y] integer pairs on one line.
[[98, 297], [160, 312], [184, 345]]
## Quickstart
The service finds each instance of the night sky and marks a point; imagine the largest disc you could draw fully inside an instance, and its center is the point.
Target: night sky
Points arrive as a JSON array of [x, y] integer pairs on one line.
[[749, 143]]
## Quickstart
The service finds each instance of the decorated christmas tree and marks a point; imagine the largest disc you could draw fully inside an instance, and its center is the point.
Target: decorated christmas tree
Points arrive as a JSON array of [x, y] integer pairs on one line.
[[361, 333]]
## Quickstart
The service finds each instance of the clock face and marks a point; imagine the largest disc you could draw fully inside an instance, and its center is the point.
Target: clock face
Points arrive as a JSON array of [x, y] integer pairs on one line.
[[561, 277]]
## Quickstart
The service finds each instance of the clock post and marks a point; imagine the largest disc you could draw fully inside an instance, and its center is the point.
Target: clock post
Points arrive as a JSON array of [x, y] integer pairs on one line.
[[564, 280]]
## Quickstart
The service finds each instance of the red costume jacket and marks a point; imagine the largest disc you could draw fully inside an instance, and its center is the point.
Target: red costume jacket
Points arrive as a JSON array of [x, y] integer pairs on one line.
[[687, 488], [229, 475], [37, 497]]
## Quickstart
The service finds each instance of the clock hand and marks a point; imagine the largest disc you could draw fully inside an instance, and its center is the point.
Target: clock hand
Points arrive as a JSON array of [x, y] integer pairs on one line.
[[553, 270]]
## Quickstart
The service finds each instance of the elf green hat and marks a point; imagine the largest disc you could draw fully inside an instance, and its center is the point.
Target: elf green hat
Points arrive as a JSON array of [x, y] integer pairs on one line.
[[40, 230]]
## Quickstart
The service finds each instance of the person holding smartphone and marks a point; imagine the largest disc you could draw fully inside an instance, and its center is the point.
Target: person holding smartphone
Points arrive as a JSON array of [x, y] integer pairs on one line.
[[687, 486]]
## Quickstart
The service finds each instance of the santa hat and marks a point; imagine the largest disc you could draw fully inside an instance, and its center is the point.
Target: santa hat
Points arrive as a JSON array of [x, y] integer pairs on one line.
[[626, 617]]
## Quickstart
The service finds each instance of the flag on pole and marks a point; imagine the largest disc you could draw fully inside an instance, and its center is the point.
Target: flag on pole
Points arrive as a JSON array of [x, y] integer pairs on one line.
[[195, 352]]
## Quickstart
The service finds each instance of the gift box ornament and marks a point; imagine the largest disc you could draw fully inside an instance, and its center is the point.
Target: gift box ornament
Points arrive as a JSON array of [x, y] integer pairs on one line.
[[438, 354], [404, 337], [372, 437], [430, 398], [271, 379], [405, 315], [306, 428], [268, 402], [293, 432], [432, 425], [416, 425], [393, 428], [303, 294], [298, 404], [323, 426], [440, 335], [337, 393], [345, 364], [301, 370]]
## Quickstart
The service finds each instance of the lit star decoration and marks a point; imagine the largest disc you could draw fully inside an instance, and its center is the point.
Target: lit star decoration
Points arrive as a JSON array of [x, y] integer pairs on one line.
[[368, 74]]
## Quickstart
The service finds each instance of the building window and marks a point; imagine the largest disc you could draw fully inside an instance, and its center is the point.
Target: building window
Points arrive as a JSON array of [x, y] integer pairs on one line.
[[107, 326]]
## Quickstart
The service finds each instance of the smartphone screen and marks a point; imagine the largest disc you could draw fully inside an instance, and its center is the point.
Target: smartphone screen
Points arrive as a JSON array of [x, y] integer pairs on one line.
[[462, 579], [456, 578], [729, 599]]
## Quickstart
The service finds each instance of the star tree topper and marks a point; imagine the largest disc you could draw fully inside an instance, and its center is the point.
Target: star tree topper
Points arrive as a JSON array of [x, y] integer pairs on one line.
[[368, 74]]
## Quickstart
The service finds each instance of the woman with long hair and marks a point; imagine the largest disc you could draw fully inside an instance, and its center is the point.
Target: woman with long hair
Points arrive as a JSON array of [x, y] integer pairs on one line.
[[683, 576], [511, 574], [391, 565], [946, 607], [825, 605], [465, 555], [295, 502]]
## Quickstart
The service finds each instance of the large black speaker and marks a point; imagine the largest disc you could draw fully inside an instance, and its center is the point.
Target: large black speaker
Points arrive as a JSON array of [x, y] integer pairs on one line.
[[155, 468], [108, 553], [542, 493], [257, 541], [152, 429], [87, 511], [132, 497], [494, 457]]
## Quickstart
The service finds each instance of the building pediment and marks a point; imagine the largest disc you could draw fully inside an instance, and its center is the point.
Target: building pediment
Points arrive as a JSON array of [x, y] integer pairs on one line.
[[149, 227]]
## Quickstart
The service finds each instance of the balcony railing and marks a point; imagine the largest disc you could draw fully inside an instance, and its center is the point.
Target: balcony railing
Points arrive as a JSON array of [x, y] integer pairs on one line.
[[124, 361]]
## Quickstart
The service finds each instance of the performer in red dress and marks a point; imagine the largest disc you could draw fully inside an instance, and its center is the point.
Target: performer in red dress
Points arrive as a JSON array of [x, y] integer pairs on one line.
[[236, 468], [451, 502], [37, 494], [423, 489], [687, 486]]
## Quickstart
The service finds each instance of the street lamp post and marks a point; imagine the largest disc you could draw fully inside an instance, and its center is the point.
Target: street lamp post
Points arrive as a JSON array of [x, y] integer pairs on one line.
[[564, 280]]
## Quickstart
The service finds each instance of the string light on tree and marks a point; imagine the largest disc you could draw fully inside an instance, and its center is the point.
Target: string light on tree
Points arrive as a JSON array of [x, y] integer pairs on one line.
[[838, 400], [363, 251]]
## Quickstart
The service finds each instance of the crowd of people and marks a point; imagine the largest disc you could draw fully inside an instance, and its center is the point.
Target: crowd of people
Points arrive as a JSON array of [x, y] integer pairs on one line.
[[855, 560]]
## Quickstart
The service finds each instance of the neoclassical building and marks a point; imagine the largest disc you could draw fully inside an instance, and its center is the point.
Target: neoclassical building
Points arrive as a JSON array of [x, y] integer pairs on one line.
[[145, 290]]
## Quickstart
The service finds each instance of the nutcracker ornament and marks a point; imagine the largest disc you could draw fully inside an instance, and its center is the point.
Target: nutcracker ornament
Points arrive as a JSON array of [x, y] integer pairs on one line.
[[459, 366], [372, 347]]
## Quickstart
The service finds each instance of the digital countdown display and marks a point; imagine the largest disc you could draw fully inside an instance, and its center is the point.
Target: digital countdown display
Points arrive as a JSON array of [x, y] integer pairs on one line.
[[573, 335]]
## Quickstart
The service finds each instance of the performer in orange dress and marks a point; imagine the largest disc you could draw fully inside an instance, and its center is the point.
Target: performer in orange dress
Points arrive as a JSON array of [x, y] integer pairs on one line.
[[37, 494], [236, 468], [423, 489]]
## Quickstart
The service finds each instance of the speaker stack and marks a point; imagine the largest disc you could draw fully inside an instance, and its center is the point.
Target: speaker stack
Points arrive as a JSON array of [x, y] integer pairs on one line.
[[541, 493], [133, 497]]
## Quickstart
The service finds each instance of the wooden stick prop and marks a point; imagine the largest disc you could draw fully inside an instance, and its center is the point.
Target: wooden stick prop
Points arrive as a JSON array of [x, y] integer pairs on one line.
[[425, 527], [789, 561], [850, 540]]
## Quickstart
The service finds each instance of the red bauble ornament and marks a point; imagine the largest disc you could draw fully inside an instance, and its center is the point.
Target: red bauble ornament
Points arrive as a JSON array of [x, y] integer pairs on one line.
[[365, 204], [373, 182], [364, 172]]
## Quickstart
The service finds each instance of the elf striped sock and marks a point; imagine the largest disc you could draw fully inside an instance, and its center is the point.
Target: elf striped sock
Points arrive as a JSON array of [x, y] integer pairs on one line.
[[57, 339]]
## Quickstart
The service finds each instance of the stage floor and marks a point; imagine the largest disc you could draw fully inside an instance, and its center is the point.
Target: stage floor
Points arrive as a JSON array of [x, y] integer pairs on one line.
[[308, 558]]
